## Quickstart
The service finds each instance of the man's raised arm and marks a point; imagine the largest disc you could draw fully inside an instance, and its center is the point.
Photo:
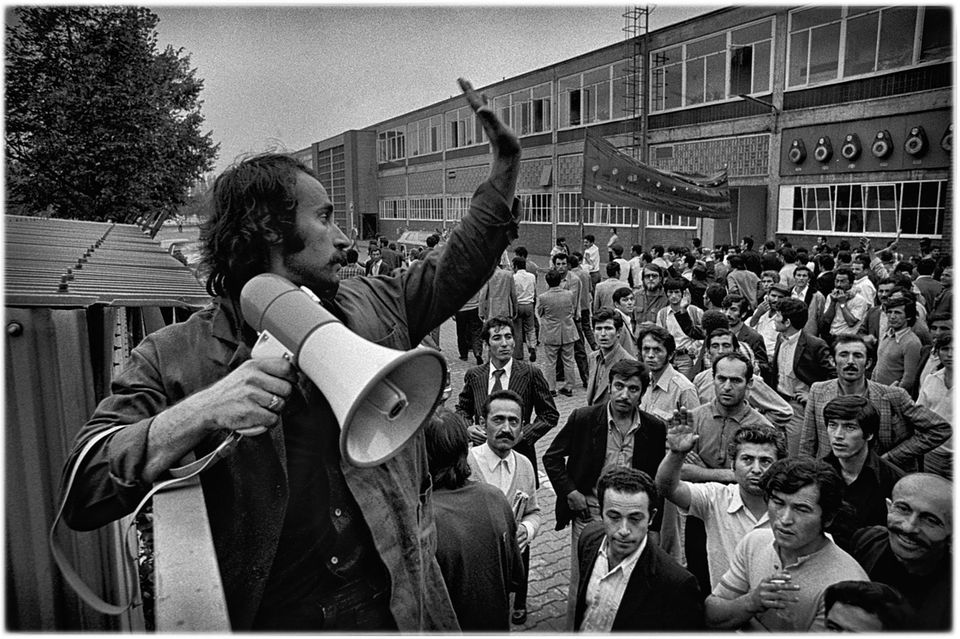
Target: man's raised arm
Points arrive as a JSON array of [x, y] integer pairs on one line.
[[506, 146]]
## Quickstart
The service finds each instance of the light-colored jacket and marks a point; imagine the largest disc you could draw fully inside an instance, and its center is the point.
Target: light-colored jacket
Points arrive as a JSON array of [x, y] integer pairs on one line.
[[555, 308]]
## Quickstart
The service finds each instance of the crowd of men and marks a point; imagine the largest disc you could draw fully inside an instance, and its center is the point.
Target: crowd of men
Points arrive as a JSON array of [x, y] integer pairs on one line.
[[774, 455], [764, 439]]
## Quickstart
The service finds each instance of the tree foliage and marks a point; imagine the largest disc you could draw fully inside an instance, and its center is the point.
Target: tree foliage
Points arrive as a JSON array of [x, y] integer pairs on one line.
[[99, 123]]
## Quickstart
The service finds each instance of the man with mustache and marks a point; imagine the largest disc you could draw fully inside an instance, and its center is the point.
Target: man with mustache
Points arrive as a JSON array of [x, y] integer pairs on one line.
[[649, 297], [778, 575], [907, 430], [304, 541], [912, 552], [728, 511], [501, 372], [496, 463], [595, 438]]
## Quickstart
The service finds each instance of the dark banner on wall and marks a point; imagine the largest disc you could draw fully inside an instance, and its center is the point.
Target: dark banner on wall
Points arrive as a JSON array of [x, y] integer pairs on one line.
[[613, 177]]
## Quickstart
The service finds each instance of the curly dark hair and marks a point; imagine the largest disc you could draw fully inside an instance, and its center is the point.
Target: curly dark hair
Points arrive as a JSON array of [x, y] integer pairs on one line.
[[253, 201]]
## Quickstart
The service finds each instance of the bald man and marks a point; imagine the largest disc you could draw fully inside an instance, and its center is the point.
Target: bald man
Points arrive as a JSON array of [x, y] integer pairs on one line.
[[912, 552]]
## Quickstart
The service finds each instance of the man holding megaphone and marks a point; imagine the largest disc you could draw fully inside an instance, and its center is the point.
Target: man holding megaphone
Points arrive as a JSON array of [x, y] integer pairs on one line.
[[310, 533]]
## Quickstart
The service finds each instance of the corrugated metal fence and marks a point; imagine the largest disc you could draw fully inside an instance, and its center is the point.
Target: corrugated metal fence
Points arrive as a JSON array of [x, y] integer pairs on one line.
[[77, 293]]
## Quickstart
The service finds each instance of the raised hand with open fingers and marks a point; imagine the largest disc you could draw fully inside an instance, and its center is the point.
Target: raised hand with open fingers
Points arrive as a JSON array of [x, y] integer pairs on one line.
[[681, 437]]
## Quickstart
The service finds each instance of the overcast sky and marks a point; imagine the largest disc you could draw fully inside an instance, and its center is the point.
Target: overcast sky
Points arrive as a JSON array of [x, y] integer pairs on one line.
[[284, 77]]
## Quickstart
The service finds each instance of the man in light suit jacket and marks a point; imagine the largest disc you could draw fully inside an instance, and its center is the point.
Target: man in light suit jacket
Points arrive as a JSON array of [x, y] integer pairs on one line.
[[659, 594], [607, 327], [498, 297], [556, 308], [522, 378]]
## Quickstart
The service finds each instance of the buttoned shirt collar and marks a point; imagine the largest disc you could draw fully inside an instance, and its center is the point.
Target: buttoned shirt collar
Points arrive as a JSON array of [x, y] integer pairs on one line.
[[736, 504], [491, 459], [664, 382], [801, 294], [634, 420], [897, 335], [719, 413]]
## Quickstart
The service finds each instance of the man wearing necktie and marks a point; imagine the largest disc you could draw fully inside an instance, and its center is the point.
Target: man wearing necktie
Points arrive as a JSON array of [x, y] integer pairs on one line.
[[501, 372]]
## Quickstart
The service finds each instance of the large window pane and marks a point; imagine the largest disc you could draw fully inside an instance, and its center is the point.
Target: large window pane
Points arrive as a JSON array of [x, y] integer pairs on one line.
[[708, 46], [620, 107], [897, 27], [694, 82], [761, 67], [573, 108], [751, 34], [596, 76], [667, 56], [603, 100], [814, 17], [936, 38], [741, 70], [824, 53], [861, 45], [799, 47], [716, 77], [673, 85]]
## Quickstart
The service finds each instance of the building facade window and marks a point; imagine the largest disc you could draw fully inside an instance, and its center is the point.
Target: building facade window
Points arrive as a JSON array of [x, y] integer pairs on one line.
[[393, 208], [594, 96], [718, 67], [600, 214], [425, 136], [839, 42], [391, 145], [428, 208], [666, 220], [463, 128], [457, 207], [914, 208], [331, 173], [537, 207], [527, 111], [568, 208]]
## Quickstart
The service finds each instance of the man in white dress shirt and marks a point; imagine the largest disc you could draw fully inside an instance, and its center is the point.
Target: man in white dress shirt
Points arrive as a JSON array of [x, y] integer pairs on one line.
[[495, 462]]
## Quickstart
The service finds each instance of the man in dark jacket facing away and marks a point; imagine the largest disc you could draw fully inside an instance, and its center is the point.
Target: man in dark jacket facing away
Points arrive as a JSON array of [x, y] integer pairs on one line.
[[617, 556]]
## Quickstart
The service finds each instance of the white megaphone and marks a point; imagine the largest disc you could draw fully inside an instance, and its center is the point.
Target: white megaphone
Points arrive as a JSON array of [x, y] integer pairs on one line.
[[380, 396]]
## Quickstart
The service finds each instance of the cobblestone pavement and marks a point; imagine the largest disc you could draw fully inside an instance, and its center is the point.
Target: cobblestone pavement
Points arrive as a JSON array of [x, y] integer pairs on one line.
[[550, 551]]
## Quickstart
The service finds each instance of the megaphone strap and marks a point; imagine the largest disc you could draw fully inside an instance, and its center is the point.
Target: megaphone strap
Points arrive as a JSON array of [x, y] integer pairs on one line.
[[180, 474]]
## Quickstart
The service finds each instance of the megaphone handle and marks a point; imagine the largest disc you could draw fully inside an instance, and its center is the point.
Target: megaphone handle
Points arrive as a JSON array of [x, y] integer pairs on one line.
[[267, 346]]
